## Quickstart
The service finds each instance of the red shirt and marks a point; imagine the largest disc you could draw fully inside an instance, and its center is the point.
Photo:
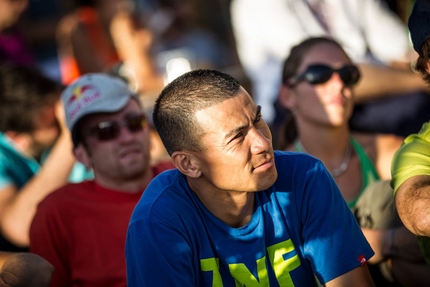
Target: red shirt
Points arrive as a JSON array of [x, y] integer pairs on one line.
[[80, 229]]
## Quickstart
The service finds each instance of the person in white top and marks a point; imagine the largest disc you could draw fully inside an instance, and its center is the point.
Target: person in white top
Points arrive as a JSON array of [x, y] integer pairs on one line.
[[371, 34]]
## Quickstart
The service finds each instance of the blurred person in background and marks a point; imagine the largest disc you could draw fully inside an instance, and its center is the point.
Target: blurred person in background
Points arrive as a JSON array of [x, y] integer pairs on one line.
[[390, 98], [13, 45], [318, 80], [102, 36], [80, 228], [35, 150], [177, 32]]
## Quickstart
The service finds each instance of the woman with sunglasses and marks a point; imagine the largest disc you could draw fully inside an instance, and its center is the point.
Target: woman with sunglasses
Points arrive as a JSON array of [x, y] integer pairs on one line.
[[318, 80], [317, 90]]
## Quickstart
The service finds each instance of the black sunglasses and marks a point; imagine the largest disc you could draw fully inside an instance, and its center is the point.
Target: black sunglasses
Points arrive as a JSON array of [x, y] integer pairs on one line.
[[319, 74], [109, 130]]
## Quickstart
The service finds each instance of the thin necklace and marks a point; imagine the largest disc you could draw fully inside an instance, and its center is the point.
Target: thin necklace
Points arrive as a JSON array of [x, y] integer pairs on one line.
[[343, 166]]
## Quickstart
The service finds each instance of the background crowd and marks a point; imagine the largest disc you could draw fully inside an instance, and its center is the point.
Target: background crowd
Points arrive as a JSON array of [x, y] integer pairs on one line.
[[291, 56]]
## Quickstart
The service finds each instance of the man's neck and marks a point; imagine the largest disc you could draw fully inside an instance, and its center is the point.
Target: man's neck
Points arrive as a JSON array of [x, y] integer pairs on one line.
[[233, 208], [133, 185]]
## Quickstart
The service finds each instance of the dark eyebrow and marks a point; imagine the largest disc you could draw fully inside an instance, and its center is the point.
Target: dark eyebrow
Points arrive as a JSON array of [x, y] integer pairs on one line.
[[236, 130], [258, 113]]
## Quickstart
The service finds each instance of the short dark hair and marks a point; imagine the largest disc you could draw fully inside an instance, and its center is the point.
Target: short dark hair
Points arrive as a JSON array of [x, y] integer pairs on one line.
[[175, 108], [24, 91]]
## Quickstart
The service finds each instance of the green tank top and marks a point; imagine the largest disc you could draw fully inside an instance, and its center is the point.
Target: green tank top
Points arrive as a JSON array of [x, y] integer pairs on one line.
[[368, 170]]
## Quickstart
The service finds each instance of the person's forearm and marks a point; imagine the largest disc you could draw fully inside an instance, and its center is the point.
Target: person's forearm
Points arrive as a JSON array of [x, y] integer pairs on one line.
[[417, 217], [19, 213], [3, 257], [379, 81], [413, 204], [133, 47]]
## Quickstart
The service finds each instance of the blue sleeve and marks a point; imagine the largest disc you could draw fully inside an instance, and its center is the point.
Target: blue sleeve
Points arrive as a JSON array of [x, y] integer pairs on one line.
[[333, 241], [5, 180], [158, 255]]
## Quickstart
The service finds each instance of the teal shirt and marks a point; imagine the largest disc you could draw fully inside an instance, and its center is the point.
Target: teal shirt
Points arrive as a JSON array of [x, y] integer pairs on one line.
[[17, 169]]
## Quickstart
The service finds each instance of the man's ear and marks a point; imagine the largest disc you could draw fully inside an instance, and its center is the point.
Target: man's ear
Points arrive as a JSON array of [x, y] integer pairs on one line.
[[286, 98], [187, 163], [81, 155]]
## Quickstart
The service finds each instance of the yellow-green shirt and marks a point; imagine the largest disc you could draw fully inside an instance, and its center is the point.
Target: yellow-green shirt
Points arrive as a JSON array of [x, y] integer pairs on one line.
[[413, 158]]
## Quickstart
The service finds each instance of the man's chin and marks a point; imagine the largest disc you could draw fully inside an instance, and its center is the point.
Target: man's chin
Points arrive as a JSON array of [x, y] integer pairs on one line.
[[269, 179]]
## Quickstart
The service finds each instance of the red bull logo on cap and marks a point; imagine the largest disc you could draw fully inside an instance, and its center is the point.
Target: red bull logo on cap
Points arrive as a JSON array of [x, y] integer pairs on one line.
[[78, 92], [81, 97]]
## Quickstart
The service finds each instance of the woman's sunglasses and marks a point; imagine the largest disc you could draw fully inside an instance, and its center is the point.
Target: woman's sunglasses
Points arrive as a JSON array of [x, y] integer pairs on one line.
[[319, 74], [109, 130]]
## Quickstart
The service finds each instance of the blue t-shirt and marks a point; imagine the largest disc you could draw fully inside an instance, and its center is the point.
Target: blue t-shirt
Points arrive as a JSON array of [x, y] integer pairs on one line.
[[301, 226]]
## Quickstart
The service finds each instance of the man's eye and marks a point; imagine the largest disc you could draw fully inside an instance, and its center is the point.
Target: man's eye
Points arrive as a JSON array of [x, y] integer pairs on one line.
[[239, 135]]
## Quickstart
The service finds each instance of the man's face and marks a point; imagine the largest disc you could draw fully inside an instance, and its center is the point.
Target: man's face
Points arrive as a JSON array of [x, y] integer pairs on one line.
[[121, 158], [238, 153]]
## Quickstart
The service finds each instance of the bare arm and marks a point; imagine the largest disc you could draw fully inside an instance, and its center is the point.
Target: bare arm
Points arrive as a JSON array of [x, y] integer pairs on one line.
[[17, 207], [358, 277], [133, 46], [24, 270], [73, 42], [378, 81], [413, 204]]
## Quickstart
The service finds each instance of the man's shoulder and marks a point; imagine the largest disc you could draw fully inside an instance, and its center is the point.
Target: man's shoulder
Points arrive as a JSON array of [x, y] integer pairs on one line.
[[162, 183], [290, 159], [295, 169], [165, 192], [65, 194], [162, 166], [423, 134]]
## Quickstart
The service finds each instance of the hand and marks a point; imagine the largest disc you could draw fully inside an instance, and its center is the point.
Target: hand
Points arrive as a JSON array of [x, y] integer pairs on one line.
[[60, 115], [25, 270], [127, 36]]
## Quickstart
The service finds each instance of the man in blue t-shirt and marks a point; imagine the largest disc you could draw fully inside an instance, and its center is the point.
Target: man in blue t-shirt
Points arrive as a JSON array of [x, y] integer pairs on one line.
[[236, 212]]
